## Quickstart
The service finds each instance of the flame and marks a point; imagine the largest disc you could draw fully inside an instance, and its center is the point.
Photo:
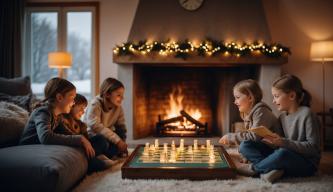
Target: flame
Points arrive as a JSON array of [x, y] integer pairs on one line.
[[176, 105]]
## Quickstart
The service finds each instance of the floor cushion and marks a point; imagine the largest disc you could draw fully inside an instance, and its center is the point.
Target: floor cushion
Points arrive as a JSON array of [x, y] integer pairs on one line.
[[12, 121], [41, 167]]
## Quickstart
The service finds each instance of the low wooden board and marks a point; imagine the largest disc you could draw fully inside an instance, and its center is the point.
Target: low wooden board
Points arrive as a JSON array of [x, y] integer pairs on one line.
[[177, 172]]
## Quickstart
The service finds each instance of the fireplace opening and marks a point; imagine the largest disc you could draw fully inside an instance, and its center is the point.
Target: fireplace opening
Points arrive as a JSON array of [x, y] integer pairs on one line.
[[180, 119], [185, 101]]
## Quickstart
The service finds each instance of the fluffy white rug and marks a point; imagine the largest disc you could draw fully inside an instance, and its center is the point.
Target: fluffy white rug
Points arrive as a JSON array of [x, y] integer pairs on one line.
[[110, 180]]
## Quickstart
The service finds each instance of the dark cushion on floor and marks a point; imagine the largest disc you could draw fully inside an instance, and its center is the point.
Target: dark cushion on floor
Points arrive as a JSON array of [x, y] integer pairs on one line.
[[23, 101], [12, 121], [15, 86], [41, 167]]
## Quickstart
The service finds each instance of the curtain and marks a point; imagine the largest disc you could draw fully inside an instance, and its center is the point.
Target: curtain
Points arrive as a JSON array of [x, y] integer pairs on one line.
[[11, 28]]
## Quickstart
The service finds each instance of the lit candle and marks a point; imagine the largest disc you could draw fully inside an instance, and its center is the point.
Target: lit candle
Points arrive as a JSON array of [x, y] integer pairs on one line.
[[208, 144], [165, 146], [173, 146], [195, 145], [190, 149], [156, 143], [181, 146]]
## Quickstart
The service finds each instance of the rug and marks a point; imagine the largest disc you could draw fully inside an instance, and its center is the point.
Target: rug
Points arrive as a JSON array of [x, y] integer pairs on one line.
[[110, 180]]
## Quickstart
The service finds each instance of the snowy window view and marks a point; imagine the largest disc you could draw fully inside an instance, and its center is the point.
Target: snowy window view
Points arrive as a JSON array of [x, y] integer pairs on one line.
[[44, 39], [79, 28]]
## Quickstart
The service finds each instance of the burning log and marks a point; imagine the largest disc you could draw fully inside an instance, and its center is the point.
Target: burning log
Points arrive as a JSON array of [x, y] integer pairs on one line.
[[191, 119], [165, 127], [171, 120]]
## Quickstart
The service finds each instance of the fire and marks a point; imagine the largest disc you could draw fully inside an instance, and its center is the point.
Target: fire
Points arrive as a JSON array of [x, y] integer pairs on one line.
[[176, 105]]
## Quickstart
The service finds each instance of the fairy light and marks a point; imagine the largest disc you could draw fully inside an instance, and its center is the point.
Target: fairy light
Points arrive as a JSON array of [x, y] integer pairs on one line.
[[206, 48]]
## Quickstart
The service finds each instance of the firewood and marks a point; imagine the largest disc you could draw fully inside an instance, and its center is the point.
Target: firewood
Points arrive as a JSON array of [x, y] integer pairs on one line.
[[171, 120], [191, 119]]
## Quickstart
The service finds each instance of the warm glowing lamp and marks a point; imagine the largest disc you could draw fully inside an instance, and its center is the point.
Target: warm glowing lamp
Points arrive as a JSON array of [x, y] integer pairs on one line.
[[61, 61], [322, 51]]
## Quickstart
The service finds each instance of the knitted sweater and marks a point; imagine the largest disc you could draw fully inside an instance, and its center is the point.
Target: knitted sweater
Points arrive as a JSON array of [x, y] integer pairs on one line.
[[301, 130], [105, 121], [260, 115], [40, 130], [70, 126]]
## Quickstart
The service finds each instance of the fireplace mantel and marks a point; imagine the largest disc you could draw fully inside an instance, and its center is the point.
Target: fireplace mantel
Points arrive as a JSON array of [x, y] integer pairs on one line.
[[198, 60]]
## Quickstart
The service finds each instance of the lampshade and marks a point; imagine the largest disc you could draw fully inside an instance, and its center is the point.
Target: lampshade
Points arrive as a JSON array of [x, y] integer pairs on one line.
[[322, 51], [60, 60]]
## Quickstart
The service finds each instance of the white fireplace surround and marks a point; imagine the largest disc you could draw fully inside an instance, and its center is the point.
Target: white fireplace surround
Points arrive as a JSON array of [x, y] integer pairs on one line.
[[229, 20]]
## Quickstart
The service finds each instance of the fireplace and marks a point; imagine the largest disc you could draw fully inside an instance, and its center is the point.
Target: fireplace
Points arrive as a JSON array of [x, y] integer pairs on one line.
[[206, 82], [185, 100]]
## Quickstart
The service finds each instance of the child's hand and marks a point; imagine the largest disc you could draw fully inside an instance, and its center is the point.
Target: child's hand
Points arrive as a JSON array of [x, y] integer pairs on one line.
[[122, 146], [224, 140], [87, 147], [274, 141]]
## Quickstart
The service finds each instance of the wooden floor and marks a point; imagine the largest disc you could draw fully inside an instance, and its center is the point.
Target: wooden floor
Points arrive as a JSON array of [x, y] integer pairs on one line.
[[326, 163], [325, 167]]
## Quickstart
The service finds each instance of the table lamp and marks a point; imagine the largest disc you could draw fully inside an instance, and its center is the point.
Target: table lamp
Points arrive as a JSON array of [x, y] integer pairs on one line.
[[61, 61]]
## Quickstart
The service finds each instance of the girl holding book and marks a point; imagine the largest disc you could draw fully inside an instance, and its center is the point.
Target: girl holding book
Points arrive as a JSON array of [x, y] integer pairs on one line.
[[297, 153]]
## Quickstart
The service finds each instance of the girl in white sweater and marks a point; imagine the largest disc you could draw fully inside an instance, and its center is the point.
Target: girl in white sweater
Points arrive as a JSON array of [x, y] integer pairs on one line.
[[105, 116]]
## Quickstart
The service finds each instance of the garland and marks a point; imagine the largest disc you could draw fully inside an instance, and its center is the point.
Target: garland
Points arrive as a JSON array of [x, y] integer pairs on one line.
[[206, 48]]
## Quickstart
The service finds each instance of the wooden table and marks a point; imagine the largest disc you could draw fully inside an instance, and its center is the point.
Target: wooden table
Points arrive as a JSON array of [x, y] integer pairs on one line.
[[194, 166]]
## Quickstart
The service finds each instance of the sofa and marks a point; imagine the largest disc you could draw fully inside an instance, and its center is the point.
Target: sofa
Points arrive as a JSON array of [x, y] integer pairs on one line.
[[32, 167]]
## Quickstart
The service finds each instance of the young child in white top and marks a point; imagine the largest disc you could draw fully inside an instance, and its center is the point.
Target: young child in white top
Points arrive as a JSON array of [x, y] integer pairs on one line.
[[105, 116]]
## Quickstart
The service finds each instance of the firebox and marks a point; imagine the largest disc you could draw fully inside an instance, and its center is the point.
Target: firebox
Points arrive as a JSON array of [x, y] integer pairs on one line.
[[185, 101], [180, 120]]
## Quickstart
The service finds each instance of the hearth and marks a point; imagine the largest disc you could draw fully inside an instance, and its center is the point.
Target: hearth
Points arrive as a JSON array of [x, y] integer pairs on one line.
[[185, 101]]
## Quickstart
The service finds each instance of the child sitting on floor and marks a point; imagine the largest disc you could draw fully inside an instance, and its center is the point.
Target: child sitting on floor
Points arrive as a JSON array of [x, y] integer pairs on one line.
[[105, 116], [44, 120], [72, 125], [298, 152], [253, 111]]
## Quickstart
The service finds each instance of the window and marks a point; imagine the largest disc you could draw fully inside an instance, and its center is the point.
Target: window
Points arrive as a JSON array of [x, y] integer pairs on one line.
[[58, 27]]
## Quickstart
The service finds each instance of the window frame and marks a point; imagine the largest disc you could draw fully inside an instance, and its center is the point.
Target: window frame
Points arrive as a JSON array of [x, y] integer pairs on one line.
[[62, 8]]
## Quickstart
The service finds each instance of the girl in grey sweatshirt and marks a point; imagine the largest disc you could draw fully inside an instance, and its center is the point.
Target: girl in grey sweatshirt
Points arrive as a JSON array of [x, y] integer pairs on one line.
[[254, 112]]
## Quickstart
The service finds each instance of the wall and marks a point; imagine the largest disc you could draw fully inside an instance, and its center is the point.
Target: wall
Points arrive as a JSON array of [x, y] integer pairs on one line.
[[297, 25], [230, 20], [293, 23], [115, 23]]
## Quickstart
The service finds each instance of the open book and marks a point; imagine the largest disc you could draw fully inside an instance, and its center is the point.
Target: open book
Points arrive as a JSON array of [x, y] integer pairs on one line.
[[262, 131]]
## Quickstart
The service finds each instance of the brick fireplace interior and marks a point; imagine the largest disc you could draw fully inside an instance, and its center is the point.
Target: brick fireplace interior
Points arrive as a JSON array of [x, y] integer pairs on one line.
[[205, 89]]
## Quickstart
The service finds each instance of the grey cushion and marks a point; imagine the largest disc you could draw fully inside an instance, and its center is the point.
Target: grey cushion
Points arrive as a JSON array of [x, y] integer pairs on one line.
[[15, 86], [41, 167], [12, 121], [23, 101]]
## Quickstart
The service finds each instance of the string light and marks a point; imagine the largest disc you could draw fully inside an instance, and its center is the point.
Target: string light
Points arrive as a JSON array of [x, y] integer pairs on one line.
[[186, 49]]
